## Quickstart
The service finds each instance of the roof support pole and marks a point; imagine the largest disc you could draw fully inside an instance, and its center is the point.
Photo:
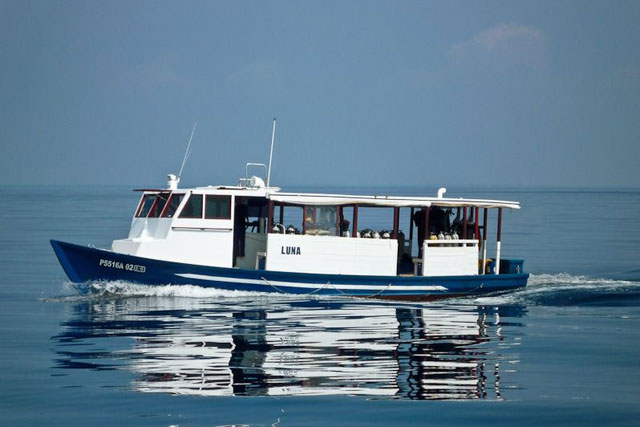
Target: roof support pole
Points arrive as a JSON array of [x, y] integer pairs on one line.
[[476, 218], [465, 221], [354, 232], [426, 229], [282, 214], [270, 217], [426, 223], [484, 240], [411, 226], [338, 221], [396, 222], [498, 241], [304, 219]]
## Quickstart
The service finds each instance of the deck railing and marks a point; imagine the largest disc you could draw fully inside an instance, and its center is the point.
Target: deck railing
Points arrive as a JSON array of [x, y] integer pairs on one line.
[[449, 243]]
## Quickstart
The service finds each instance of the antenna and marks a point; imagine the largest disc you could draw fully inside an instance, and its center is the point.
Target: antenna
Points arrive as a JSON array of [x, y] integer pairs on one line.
[[187, 153], [273, 138]]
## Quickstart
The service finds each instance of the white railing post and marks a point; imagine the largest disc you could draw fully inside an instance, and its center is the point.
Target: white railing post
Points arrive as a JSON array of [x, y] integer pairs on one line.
[[498, 241], [484, 241]]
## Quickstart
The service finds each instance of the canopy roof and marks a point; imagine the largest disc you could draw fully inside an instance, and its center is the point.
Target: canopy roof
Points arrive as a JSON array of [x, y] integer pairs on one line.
[[318, 199], [389, 201]]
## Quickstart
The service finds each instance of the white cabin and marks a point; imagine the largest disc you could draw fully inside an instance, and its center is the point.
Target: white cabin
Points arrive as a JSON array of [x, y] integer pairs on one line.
[[244, 227]]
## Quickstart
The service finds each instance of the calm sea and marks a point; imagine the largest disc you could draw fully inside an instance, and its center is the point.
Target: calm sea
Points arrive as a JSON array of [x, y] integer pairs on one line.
[[565, 350]]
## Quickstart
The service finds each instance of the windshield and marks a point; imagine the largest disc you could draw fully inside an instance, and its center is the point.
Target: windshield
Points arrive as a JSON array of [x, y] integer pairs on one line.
[[172, 205], [145, 205]]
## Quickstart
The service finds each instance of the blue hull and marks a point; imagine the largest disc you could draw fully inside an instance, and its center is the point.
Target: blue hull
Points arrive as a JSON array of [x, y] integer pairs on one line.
[[82, 264]]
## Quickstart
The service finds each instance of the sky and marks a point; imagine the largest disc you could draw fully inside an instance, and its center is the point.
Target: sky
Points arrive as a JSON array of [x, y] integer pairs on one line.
[[366, 93]]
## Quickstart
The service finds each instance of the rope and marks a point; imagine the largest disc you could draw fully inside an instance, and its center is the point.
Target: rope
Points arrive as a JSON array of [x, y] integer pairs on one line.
[[381, 291], [334, 287], [318, 290], [368, 296], [328, 284], [274, 286], [477, 288], [285, 292]]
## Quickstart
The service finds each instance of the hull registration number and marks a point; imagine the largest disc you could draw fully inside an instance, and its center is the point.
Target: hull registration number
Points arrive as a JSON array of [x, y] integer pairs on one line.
[[122, 266]]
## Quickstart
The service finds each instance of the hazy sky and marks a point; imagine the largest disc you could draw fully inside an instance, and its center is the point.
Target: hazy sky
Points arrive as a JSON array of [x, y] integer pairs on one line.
[[366, 93]]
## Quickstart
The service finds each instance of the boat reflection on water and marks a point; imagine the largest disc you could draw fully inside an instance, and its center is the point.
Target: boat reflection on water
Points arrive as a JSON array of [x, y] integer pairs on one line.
[[296, 347]]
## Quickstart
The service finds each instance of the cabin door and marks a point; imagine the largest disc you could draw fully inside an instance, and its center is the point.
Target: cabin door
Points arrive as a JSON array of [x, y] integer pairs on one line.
[[241, 213], [249, 231]]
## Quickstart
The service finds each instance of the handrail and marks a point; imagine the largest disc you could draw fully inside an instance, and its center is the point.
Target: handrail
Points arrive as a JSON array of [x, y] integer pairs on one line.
[[442, 242], [246, 168], [214, 229]]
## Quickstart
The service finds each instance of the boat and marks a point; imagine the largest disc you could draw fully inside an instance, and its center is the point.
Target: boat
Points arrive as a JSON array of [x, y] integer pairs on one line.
[[255, 237]]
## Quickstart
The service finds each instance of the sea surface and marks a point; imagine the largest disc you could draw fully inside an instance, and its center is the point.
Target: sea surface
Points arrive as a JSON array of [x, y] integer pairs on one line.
[[564, 350]]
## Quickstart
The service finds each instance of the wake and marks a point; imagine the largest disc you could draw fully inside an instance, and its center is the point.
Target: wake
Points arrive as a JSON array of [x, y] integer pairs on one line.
[[542, 289], [567, 289], [109, 289]]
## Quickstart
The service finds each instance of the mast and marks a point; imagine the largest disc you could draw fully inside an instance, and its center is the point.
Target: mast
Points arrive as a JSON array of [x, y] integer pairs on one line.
[[187, 152], [273, 137]]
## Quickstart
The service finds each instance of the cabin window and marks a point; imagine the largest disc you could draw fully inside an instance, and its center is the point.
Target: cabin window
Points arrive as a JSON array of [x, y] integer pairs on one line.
[[286, 218], [193, 207], [158, 206], [218, 207], [320, 220], [145, 205], [375, 222], [172, 205]]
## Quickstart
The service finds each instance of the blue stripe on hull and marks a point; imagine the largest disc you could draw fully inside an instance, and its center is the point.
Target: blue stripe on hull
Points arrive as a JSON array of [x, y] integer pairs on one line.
[[82, 263]]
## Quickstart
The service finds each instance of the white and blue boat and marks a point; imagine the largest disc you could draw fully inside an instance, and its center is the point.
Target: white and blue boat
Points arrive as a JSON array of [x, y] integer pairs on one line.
[[255, 237], [235, 238]]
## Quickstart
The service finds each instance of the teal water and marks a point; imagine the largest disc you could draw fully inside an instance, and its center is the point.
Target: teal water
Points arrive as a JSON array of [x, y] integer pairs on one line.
[[565, 350]]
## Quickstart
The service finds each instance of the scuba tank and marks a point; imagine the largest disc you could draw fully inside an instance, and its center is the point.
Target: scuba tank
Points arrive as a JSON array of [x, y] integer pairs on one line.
[[447, 236], [455, 236]]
